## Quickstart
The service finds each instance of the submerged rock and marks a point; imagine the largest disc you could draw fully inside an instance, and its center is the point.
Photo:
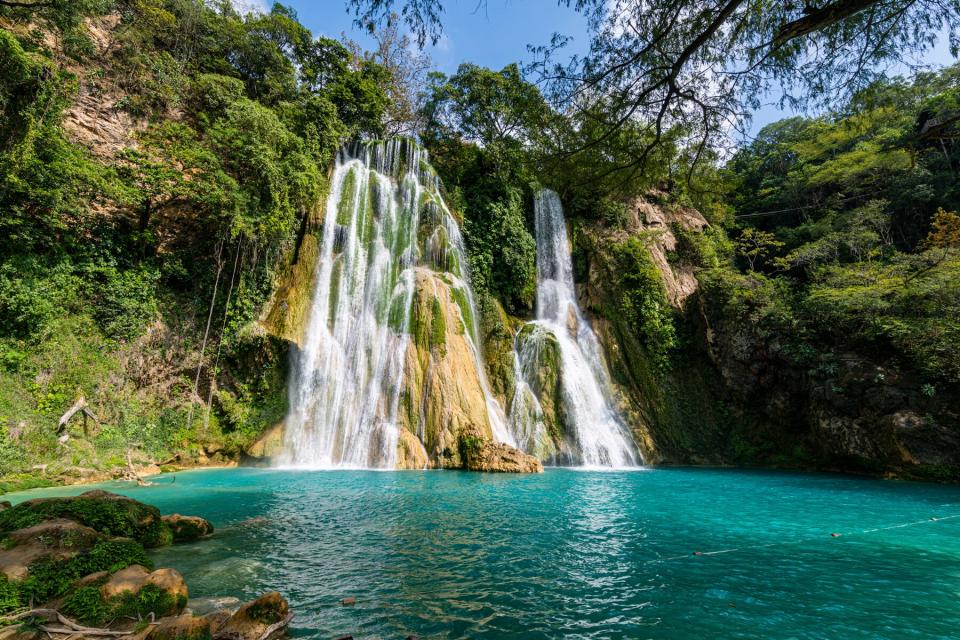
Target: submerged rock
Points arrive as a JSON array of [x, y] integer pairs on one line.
[[203, 606], [183, 627], [187, 528]]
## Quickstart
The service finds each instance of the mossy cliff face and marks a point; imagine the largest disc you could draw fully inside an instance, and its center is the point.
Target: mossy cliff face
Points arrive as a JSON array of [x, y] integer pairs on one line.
[[735, 387], [543, 374], [442, 397], [849, 410]]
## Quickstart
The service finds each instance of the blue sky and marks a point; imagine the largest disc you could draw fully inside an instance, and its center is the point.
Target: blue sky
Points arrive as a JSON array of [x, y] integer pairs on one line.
[[498, 33]]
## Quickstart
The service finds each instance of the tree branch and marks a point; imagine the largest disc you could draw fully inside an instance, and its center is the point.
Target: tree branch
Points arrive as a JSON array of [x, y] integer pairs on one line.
[[819, 19]]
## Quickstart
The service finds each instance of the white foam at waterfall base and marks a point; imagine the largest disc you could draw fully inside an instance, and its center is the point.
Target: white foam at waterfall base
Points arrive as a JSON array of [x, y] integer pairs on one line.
[[346, 380], [600, 439]]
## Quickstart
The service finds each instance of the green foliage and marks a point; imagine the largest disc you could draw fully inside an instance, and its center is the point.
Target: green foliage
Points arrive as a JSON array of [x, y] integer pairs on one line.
[[755, 246], [479, 126], [859, 200], [915, 312], [50, 578], [109, 516], [643, 299], [87, 606], [235, 119], [150, 599], [493, 109], [9, 595]]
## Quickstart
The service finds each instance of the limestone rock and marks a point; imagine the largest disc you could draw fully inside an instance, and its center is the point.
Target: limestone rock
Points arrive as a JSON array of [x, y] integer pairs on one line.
[[182, 627], [410, 452], [287, 312], [135, 577], [442, 395], [188, 528], [129, 580], [254, 619], [269, 444], [498, 457]]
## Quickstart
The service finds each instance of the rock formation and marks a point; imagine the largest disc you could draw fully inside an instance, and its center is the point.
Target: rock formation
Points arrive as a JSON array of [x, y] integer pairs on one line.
[[77, 567]]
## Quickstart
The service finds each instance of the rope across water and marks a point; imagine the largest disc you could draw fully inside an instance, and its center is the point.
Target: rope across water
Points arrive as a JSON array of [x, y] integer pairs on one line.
[[695, 554]]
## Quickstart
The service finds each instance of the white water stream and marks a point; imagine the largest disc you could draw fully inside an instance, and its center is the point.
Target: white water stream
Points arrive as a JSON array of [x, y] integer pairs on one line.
[[599, 437], [384, 219]]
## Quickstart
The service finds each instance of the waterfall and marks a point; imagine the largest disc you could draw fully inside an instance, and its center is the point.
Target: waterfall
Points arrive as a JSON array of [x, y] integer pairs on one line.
[[385, 218], [595, 432]]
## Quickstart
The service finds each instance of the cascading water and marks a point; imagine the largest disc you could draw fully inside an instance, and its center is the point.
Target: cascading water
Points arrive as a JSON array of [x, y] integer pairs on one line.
[[385, 219], [599, 437]]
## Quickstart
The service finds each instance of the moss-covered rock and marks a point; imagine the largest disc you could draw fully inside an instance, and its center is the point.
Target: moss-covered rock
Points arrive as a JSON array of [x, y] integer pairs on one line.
[[481, 454], [254, 619], [106, 513], [442, 395], [540, 362], [188, 528]]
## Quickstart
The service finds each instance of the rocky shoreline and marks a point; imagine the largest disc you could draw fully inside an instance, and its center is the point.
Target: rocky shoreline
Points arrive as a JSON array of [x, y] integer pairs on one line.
[[78, 568]]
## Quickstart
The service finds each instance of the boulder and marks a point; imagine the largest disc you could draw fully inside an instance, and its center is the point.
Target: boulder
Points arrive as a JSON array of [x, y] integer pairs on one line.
[[183, 627], [269, 444], [498, 457], [188, 528], [264, 618], [133, 579], [107, 513], [58, 538], [129, 580]]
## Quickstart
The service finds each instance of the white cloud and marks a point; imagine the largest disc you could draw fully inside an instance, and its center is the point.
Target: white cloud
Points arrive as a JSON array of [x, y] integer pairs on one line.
[[250, 6]]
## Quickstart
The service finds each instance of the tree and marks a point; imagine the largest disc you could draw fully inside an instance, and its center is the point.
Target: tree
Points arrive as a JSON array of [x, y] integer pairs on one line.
[[700, 67], [408, 74], [756, 245], [494, 109]]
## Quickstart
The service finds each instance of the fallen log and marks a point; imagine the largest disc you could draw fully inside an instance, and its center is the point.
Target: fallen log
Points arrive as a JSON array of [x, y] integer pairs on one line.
[[80, 406]]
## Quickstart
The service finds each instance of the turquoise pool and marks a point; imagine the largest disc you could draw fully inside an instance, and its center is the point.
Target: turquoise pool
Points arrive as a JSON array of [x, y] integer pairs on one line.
[[575, 554]]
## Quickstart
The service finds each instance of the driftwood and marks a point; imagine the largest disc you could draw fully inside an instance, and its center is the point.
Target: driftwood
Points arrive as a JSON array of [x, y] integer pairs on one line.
[[69, 626], [132, 474], [175, 458], [275, 627], [267, 633], [80, 406]]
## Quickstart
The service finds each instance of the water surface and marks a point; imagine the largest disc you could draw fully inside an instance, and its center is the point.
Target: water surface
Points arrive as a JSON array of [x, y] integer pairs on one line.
[[575, 554]]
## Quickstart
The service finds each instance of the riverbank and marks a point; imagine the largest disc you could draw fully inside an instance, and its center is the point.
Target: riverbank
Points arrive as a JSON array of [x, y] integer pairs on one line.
[[82, 566]]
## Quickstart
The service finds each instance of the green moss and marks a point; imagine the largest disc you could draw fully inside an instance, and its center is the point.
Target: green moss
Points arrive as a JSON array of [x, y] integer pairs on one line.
[[111, 516], [347, 198], [9, 595], [150, 599], [50, 579], [642, 300], [460, 297], [438, 327], [87, 606], [267, 611]]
